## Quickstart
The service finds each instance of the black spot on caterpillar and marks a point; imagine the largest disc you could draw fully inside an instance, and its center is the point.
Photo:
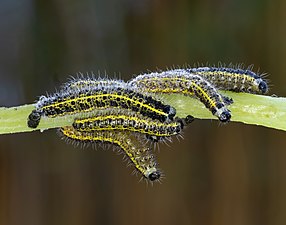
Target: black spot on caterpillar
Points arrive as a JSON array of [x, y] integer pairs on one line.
[[139, 154]]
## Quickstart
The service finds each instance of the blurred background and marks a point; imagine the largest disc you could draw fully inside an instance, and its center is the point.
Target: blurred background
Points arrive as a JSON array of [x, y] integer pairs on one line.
[[218, 175]]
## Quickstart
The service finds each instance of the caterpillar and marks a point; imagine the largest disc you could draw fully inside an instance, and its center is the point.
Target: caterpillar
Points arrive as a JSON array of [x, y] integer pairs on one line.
[[139, 154], [182, 82], [83, 99], [130, 121], [124, 114], [134, 123], [233, 79], [87, 82]]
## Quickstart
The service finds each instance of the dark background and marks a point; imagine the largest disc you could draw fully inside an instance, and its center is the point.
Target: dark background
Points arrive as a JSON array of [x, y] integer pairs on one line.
[[218, 175]]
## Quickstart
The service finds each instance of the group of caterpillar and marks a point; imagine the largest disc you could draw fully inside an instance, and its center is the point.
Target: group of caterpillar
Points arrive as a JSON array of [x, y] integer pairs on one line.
[[124, 113]]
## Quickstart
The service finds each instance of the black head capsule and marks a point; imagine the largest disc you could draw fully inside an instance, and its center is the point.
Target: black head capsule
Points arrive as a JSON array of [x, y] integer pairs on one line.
[[263, 87], [189, 119], [185, 121], [34, 119], [225, 116], [154, 176]]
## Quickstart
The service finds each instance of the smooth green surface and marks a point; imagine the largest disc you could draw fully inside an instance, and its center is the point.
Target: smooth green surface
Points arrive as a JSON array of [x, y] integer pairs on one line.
[[247, 108]]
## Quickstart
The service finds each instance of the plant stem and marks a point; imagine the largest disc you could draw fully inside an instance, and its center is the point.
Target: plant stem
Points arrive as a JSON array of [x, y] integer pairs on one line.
[[247, 108]]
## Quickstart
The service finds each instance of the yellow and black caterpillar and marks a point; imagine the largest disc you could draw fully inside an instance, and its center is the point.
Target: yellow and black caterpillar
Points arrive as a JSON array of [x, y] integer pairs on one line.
[[126, 114]]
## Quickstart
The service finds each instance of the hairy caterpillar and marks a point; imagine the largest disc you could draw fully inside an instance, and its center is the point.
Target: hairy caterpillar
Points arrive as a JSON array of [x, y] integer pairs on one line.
[[92, 82], [130, 121], [233, 79], [182, 82], [139, 154], [123, 114], [84, 99]]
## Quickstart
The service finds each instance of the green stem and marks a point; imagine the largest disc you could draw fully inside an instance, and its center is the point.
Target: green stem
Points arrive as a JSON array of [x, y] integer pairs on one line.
[[247, 108]]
